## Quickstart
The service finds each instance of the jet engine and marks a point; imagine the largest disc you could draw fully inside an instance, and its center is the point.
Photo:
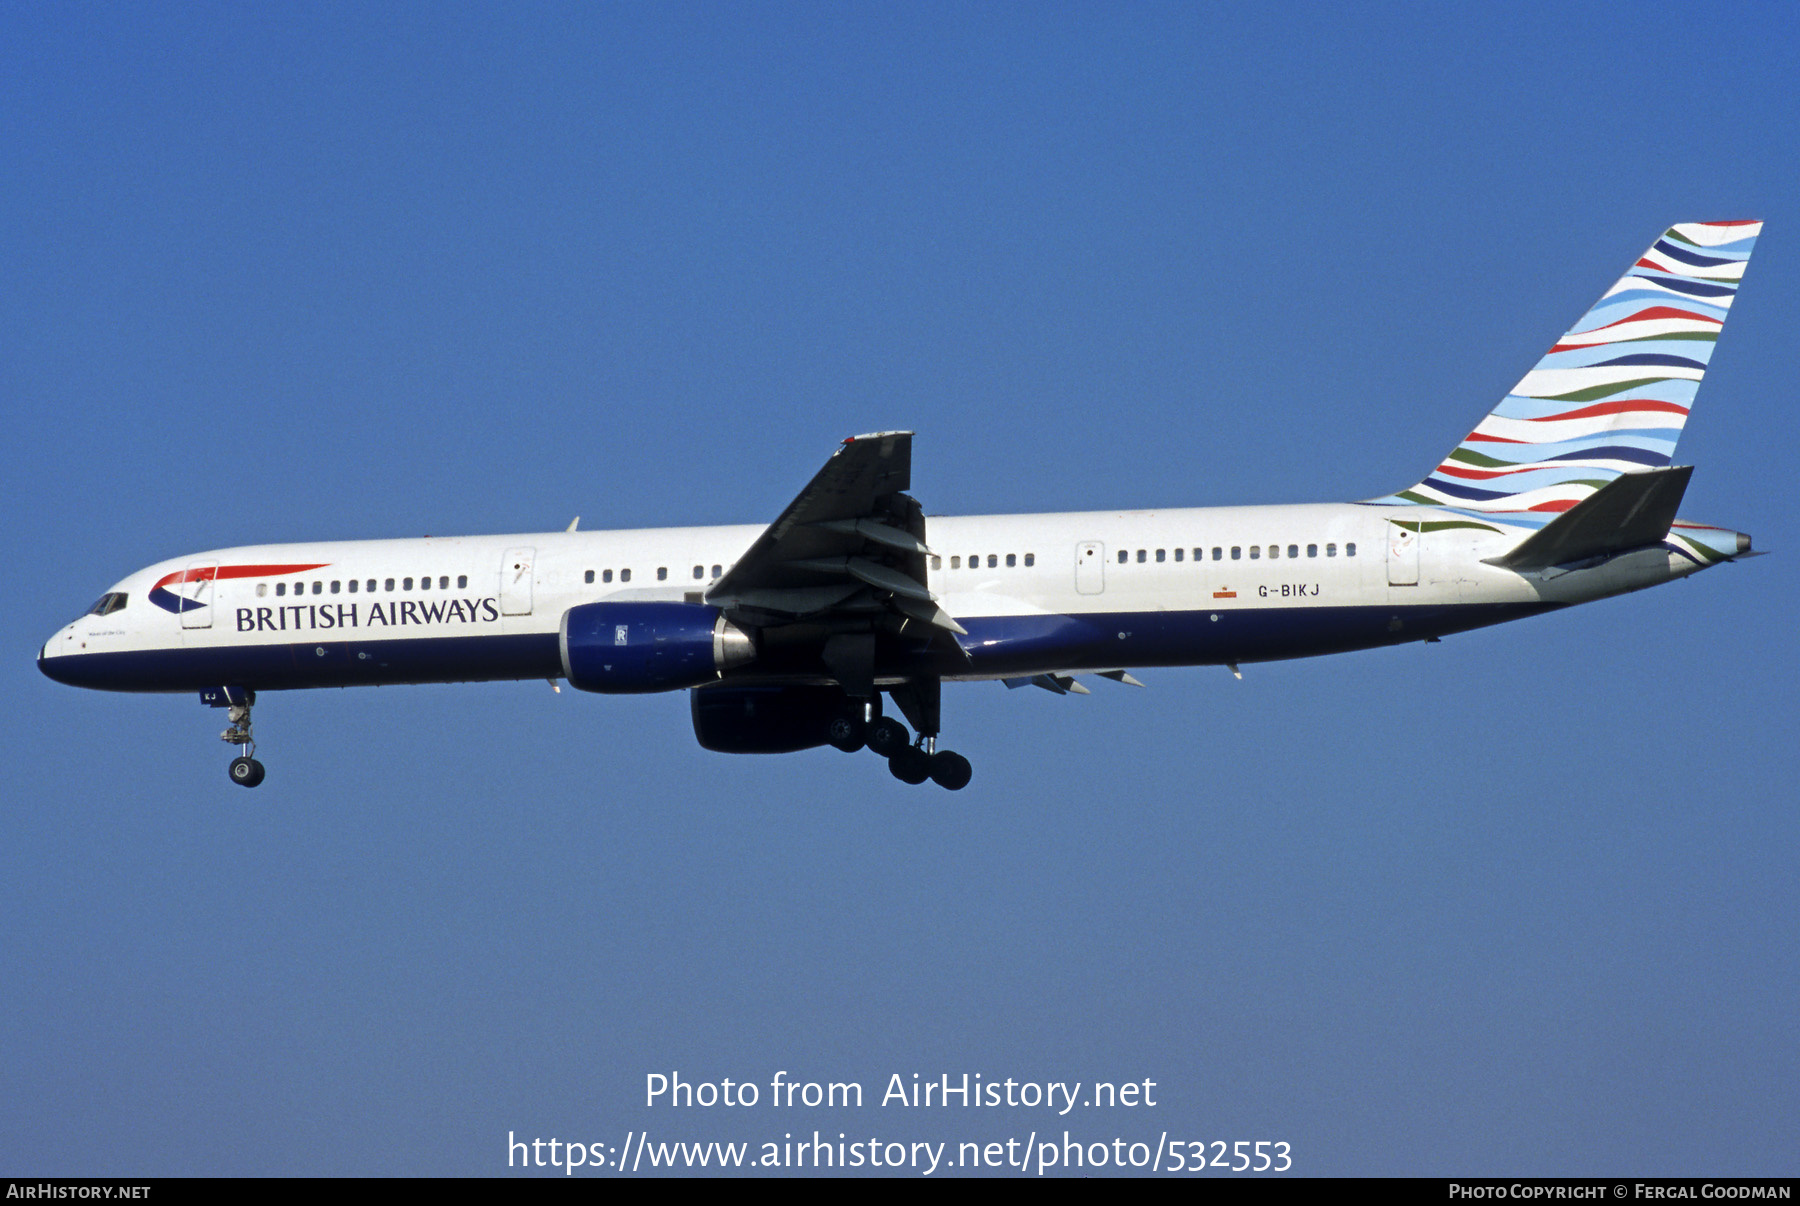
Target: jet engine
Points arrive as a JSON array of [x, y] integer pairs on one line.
[[637, 648], [773, 719]]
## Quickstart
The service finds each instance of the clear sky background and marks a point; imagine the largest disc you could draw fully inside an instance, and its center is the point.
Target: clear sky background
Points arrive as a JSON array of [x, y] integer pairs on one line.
[[1520, 902]]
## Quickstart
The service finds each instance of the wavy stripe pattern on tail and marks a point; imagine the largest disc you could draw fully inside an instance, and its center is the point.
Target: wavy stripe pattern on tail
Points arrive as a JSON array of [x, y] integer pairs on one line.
[[1613, 393]]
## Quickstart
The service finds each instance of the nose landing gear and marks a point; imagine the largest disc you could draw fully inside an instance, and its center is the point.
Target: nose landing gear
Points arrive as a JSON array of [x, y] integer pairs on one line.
[[244, 770]]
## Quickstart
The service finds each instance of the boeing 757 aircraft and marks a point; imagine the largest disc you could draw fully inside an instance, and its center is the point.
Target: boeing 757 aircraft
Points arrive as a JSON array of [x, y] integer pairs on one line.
[[788, 636]]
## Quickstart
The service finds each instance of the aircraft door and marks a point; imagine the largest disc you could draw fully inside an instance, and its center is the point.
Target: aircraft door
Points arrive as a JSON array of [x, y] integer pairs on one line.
[[195, 591], [1090, 567], [516, 572], [1403, 553]]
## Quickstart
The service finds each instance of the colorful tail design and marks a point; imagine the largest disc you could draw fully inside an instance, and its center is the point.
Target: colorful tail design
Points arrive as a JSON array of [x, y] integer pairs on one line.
[[1611, 396]]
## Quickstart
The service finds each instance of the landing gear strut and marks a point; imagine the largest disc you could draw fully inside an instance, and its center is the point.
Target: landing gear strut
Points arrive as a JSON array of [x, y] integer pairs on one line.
[[851, 659], [245, 770], [921, 701]]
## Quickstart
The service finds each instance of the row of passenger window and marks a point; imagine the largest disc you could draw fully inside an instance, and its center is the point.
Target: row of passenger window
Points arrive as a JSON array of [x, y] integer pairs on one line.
[[662, 574], [993, 561], [319, 587], [1145, 555], [1237, 552]]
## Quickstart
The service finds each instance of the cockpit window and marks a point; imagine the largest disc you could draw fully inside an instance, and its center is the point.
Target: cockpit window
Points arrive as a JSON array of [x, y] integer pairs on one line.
[[108, 604]]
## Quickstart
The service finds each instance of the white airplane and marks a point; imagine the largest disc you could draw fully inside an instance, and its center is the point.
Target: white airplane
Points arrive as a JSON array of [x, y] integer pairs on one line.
[[787, 637]]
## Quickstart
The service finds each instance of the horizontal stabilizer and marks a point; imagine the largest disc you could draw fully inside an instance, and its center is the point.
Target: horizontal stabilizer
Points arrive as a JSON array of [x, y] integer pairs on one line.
[[1631, 511]]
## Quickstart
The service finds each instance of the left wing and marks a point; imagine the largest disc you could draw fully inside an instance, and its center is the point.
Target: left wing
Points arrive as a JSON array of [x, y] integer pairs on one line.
[[852, 543]]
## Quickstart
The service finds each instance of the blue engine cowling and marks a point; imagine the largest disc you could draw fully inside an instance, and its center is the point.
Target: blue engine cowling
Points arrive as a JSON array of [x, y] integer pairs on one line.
[[772, 719], [634, 648]]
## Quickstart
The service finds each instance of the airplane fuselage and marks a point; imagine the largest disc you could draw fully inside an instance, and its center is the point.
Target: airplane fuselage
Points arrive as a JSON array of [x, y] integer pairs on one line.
[[789, 635], [1043, 593]]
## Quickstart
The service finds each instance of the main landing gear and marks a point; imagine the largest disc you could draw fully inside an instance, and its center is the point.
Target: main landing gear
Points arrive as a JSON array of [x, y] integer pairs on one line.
[[909, 760], [244, 770]]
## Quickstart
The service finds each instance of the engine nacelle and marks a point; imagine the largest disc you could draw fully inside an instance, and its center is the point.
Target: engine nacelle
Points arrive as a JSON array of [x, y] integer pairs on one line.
[[765, 720], [635, 648]]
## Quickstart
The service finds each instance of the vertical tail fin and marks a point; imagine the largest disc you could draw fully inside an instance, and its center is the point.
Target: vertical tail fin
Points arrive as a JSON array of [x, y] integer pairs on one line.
[[1613, 393]]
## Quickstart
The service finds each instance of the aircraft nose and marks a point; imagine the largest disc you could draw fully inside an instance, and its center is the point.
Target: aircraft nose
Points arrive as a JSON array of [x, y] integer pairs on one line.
[[45, 661], [56, 668]]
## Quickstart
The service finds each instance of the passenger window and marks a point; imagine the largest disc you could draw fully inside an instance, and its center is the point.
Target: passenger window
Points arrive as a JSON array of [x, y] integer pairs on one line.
[[590, 576], [1141, 557], [1124, 556], [334, 586], [1237, 551], [1312, 550], [425, 582], [1218, 553], [699, 572], [318, 588], [1159, 556], [955, 562], [390, 585], [662, 573], [624, 575], [606, 577], [262, 588], [280, 589], [1012, 560], [937, 563], [1178, 553], [1030, 559], [444, 582], [1274, 552], [462, 580], [1350, 548], [1293, 550], [1200, 555], [406, 584], [354, 583], [717, 570]]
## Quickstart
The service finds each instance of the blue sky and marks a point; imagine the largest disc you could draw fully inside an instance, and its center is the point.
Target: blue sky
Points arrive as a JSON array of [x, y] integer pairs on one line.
[[1520, 902]]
